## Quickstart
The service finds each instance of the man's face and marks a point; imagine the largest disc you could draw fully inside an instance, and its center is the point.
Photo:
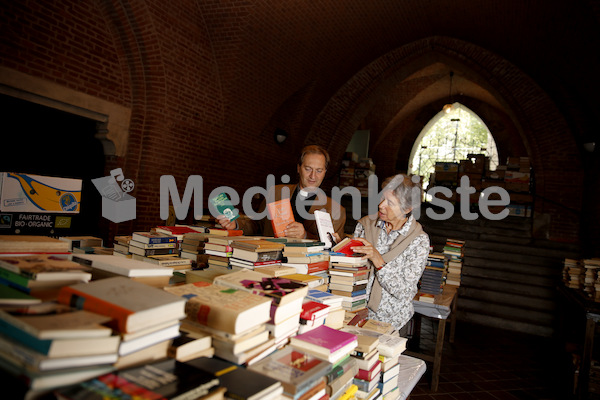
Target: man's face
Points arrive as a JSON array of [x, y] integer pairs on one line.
[[312, 171]]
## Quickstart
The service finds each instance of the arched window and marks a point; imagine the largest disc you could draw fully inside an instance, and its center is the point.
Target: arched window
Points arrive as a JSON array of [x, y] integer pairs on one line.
[[449, 137]]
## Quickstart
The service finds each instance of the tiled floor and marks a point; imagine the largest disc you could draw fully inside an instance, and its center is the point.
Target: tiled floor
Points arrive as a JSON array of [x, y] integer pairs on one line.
[[493, 364]]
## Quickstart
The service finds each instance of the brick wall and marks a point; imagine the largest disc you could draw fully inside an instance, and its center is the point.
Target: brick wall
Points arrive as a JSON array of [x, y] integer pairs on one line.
[[209, 81]]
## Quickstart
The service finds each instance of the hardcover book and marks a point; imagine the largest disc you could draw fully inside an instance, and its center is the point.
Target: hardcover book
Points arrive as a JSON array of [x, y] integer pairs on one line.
[[296, 370], [132, 305], [281, 215], [326, 343], [344, 246], [153, 237], [222, 308]]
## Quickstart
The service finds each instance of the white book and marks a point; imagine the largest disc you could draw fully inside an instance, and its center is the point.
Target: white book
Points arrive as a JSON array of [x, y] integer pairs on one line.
[[325, 228], [121, 265]]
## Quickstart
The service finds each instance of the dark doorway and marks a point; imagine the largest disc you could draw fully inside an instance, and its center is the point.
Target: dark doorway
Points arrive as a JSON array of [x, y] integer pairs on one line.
[[45, 141]]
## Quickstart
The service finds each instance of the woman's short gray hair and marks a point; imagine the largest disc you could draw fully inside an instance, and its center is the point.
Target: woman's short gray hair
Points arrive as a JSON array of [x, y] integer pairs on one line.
[[407, 189]]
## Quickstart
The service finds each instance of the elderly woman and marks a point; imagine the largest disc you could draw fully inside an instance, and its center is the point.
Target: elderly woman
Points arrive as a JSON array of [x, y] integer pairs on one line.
[[397, 248]]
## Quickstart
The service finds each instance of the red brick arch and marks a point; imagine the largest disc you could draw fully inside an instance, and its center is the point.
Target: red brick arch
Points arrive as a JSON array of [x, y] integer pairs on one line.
[[538, 123]]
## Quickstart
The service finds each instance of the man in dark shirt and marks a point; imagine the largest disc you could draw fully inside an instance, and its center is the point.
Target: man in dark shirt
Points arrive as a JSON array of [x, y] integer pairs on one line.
[[311, 168]]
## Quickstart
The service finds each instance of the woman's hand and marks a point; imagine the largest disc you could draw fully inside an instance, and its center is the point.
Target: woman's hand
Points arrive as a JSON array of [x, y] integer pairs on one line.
[[370, 252]]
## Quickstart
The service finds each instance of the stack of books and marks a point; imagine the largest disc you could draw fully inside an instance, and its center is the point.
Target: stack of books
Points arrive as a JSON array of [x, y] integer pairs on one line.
[[326, 343], [32, 244], [454, 254], [367, 355], [286, 298], [389, 349], [313, 315], [335, 316], [105, 266], [41, 275], [159, 379], [54, 346], [192, 247], [235, 319], [240, 383], [84, 244], [307, 256], [573, 274], [121, 246], [220, 250], [341, 378], [350, 282], [145, 317], [590, 282], [258, 252], [433, 278], [302, 375], [157, 248]]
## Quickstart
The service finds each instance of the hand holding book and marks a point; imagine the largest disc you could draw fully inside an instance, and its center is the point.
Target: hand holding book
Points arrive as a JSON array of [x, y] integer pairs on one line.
[[369, 252]]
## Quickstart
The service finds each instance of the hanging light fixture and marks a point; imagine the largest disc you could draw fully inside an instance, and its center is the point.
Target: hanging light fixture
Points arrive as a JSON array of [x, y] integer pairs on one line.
[[449, 107]]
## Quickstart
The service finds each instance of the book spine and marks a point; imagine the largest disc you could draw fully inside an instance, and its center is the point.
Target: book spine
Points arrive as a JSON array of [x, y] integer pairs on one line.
[[14, 277], [40, 345], [82, 301]]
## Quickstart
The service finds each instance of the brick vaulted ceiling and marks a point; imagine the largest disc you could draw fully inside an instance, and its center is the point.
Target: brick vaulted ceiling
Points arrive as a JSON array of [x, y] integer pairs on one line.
[[203, 74]]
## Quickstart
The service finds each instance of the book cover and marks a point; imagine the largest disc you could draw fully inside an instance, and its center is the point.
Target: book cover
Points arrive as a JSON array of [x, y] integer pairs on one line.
[[325, 228], [163, 379], [280, 290], [281, 215], [224, 206], [258, 245], [222, 308], [122, 266], [296, 370], [9, 296], [312, 310], [153, 237], [324, 338], [253, 256], [132, 305]]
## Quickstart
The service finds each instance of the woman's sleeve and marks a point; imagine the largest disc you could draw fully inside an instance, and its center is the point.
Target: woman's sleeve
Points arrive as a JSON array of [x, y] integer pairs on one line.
[[359, 231], [400, 276]]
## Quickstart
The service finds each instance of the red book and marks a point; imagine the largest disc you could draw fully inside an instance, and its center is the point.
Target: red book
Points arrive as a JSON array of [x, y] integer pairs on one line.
[[345, 246], [281, 215], [311, 310], [317, 267], [368, 375]]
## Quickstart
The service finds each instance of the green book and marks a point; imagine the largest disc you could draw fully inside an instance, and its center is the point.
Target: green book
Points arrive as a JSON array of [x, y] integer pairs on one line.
[[224, 206], [10, 296]]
